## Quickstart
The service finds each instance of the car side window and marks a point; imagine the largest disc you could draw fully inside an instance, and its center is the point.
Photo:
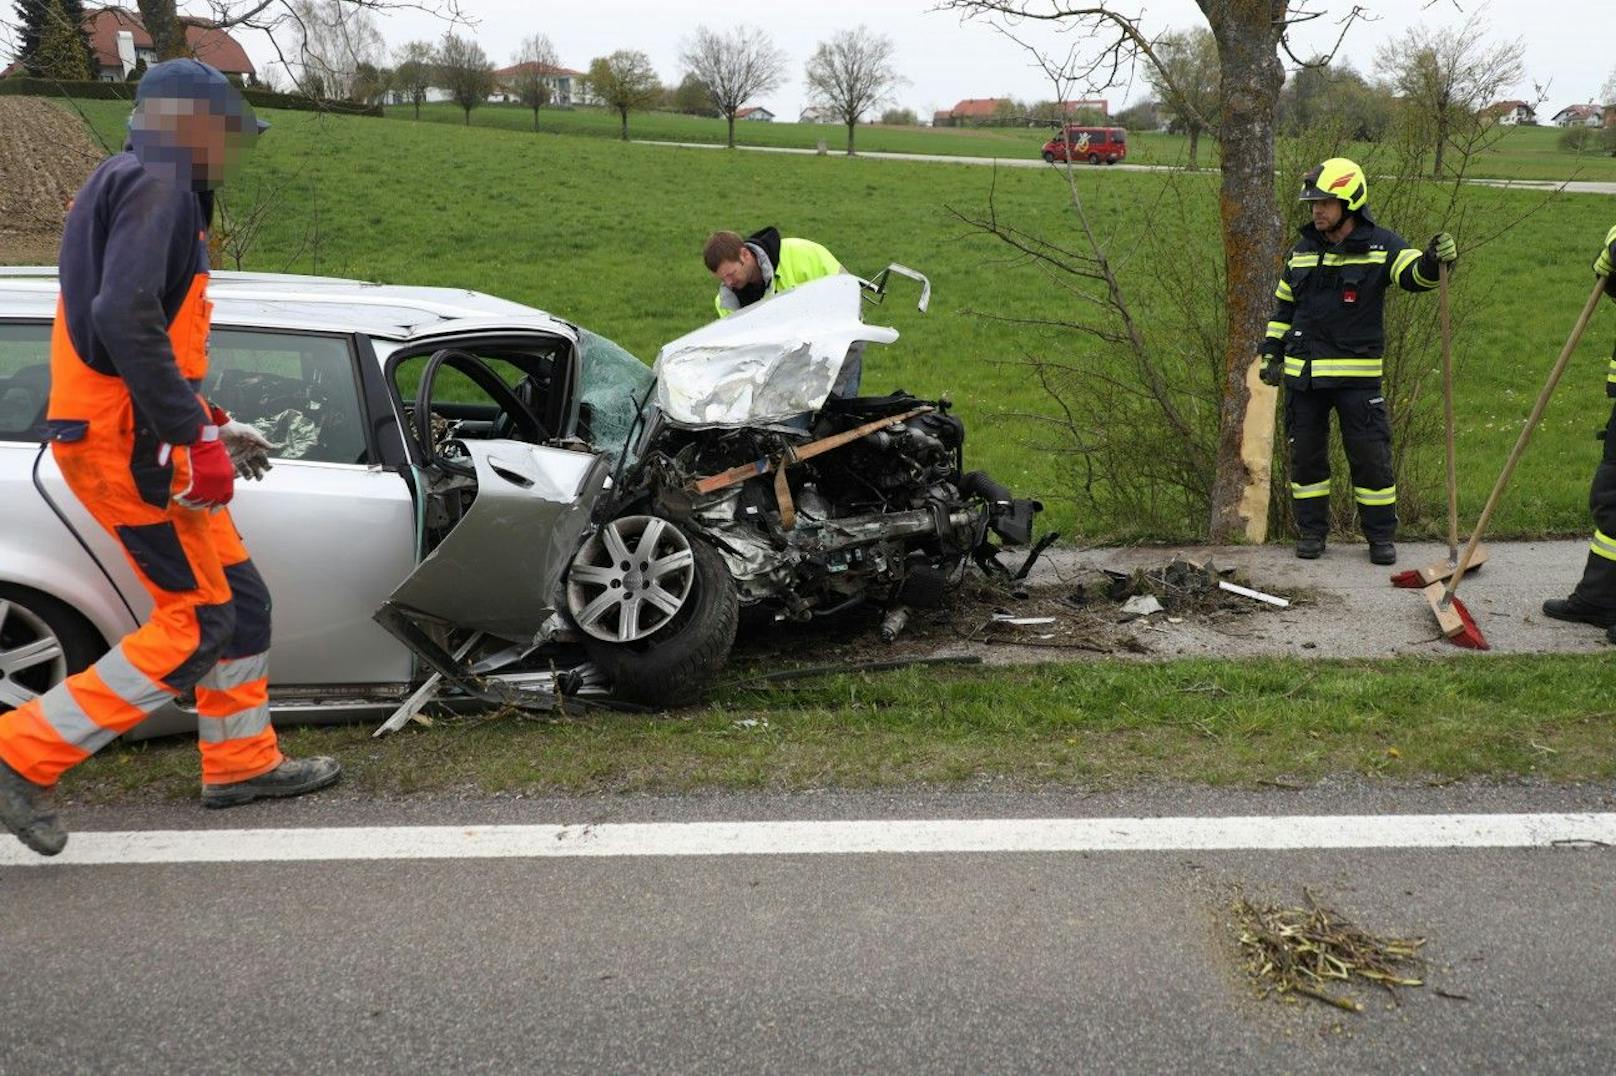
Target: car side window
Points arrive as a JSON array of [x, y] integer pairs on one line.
[[297, 389], [24, 379]]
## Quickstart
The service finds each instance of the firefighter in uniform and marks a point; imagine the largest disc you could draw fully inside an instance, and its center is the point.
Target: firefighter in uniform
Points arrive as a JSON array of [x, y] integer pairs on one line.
[[1325, 343], [155, 465], [765, 264], [1594, 599]]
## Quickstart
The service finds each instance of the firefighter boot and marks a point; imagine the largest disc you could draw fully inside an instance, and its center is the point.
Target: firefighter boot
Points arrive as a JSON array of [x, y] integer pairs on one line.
[[1578, 611], [1382, 553], [293, 777], [22, 814], [1309, 548]]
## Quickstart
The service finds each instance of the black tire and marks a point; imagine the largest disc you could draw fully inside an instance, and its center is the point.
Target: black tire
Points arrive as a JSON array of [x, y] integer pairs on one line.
[[1049, 157], [674, 666], [1094, 158], [80, 643]]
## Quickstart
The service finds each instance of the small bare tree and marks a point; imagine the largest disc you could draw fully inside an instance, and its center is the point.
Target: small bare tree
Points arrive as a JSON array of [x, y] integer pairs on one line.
[[1446, 77], [852, 74], [735, 67], [1189, 83], [413, 72], [536, 64], [335, 42], [465, 72], [626, 81]]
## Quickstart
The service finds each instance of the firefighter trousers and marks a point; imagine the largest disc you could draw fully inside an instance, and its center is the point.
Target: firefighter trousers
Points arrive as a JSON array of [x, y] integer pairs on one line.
[[1598, 584], [208, 629], [1366, 434]]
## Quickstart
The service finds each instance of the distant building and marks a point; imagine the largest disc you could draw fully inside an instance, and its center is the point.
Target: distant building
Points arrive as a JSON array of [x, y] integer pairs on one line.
[[1589, 115], [1511, 113], [757, 114], [567, 86], [971, 110], [118, 40], [819, 114]]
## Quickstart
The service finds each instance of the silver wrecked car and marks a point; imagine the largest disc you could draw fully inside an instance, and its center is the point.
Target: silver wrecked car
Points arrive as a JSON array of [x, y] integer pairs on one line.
[[475, 498]]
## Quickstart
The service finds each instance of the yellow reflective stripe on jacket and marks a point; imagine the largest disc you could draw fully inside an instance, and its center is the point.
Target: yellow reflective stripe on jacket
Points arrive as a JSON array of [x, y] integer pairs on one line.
[[1405, 257], [1610, 237], [1312, 489], [1277, 329], [1303, 261], [1374, 257], [1603, 544], [1294, 366], [1610, 374], [1346, 367], [1283, 293], [1373, 497]]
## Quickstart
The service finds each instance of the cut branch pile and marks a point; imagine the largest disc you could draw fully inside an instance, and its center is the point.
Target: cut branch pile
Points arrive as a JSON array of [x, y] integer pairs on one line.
[[1311, 949]]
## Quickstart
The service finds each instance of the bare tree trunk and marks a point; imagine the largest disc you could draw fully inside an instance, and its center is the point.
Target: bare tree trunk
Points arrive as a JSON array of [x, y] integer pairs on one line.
[[1252, 76], [535, 119], [851, 124], [624, 113], [1195, 146], [417, 108], [731, 117], [468, 117], [161, 22], [1441, 143]]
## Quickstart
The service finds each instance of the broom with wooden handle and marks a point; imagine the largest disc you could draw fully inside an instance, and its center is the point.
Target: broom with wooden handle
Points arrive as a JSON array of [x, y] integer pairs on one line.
[[1451, 615], [1419, 578]]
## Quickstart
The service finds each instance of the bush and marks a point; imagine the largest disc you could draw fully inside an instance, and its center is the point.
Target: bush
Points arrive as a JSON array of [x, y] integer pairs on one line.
[[125, 91], [1577, 138]]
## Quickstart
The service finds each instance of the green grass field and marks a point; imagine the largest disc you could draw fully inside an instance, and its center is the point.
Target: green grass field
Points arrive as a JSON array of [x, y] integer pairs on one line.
[[609, 235]]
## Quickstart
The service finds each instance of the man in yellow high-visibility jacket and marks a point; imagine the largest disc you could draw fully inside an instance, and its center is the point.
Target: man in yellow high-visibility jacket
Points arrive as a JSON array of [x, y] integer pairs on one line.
[[765, 264]]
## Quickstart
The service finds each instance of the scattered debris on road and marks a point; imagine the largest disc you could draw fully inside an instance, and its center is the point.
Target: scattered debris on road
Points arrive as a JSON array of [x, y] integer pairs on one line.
[[1309, 950]]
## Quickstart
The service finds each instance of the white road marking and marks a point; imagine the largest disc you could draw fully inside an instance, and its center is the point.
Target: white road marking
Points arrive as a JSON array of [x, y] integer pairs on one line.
[[826, 838]]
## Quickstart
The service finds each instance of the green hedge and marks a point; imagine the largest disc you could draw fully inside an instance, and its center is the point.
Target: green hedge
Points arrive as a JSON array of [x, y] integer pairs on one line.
[[125, 91]]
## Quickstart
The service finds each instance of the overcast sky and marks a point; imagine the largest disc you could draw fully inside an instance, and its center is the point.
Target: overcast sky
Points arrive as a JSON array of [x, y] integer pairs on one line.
[[1568, 42]]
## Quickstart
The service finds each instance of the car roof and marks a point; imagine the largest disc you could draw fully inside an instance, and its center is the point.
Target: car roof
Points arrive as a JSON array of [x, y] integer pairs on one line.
[[317, 303]]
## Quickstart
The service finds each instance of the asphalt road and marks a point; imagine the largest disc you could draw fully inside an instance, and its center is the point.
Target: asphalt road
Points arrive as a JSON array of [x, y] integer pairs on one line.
[[1121, 962], [1575, 186]]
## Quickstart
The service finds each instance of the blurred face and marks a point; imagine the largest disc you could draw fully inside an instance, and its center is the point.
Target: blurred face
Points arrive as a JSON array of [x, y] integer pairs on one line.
[[1328, 214], [188, 143], [737, 274]]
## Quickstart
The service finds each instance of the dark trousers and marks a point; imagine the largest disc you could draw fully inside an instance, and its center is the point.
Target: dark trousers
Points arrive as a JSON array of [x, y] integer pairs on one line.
[[1598, 585], [1366, 434]]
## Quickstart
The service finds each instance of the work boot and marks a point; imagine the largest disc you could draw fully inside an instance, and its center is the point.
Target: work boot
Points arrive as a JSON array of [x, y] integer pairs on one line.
[[293, 777], [1610, 634], [1578, 611], [22, 814], [1382, 553], [1310, 548]]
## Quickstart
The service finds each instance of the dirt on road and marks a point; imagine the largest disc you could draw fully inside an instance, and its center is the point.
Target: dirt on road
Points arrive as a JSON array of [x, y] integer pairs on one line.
[[46, 153]]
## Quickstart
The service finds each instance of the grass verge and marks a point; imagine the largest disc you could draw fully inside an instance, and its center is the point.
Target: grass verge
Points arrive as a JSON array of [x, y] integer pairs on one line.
[[1087, 724]]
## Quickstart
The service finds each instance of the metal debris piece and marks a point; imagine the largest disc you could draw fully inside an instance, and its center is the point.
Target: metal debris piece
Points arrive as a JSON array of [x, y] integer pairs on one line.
[[1309, 949], [1022, 621], [1142, 605], [1256, 595]]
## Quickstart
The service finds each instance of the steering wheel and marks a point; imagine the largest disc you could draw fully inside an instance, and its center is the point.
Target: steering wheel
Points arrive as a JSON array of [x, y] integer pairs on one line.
[[510, 406]]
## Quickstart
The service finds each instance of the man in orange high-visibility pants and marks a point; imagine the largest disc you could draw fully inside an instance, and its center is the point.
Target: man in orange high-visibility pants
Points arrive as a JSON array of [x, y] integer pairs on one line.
[[155, 465]]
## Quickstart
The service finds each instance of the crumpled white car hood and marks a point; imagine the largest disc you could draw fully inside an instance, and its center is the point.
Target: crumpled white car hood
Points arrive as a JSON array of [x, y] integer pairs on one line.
[[771, 361]]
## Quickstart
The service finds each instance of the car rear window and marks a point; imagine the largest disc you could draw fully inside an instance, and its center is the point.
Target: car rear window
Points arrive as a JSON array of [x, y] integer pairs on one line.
[[24, 379]]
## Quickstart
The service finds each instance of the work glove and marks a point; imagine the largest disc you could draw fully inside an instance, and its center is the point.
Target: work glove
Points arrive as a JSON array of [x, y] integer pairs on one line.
[[1602, 263], [1443, 249], [1273, 370], [249, 450], [202, 470]]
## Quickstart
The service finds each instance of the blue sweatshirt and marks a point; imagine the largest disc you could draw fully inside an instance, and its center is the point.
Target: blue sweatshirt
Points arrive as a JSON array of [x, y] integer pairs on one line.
[[131, 247]]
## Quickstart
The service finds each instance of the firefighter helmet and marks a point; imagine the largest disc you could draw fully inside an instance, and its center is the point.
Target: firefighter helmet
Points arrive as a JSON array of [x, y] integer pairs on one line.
[[1337, 178]]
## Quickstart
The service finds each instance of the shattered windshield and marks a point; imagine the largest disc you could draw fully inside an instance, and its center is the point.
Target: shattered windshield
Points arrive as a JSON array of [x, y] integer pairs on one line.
[[613, 384]]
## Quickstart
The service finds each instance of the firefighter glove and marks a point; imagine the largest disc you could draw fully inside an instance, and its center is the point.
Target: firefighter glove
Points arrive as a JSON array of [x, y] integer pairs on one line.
[[1602, 263], [204, 467], [249, 450], [1273, 370], [1443, 248]]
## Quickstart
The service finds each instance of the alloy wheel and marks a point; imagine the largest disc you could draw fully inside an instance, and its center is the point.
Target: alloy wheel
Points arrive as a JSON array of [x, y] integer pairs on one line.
[[630, 578], [32, 659]]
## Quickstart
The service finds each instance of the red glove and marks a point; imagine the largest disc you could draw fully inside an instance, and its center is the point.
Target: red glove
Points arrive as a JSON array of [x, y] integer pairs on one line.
[[204, 477]]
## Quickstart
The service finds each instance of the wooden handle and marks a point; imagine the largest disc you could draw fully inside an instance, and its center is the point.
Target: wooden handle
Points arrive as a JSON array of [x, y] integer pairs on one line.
[[1526, 435], [1447, 412]]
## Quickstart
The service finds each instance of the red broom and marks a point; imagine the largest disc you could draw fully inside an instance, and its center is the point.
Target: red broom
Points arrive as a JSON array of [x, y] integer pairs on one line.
[[1455, 620]]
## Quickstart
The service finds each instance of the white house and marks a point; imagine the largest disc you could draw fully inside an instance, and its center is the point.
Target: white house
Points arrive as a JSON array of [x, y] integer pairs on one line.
[[567, 87], [1512, 113], [757, 114], [1589, 115]]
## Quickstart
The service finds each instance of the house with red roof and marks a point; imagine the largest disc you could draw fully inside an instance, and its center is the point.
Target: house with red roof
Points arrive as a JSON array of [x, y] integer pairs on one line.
[[567, 86], [118, 40]]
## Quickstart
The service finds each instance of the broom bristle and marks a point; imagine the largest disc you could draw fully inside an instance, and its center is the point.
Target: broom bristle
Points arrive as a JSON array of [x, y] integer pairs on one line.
[[1409, 580], [1470, 636]]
